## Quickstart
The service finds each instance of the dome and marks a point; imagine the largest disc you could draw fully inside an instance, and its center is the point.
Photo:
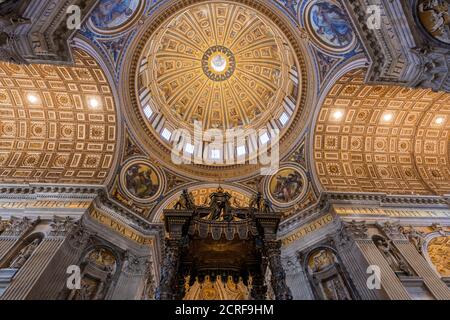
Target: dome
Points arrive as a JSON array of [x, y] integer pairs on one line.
[[235, 72], [215, 67]]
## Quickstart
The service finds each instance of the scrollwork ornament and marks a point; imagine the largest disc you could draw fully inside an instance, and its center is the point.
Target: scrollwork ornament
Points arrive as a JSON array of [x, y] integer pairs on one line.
[[436, 227]]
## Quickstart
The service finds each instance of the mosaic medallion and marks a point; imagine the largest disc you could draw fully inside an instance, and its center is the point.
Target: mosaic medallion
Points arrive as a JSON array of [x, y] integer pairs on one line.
[[218, 63], [330, 26], [287, 186], [141, 181], [435, 18], [113, 15]]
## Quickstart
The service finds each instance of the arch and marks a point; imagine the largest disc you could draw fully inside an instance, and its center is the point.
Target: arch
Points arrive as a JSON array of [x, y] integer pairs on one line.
[[99, 269], [387, 139], [243, 195], [80, 42], [22, 251]]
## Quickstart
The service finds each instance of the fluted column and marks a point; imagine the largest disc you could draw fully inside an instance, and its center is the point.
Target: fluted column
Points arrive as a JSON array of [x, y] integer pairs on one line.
[[401, 239], [297, 280], [52, 283], [278, 281], [353, 259], [436, 286], [389, 280], [26, 277], [391, 286], [132, 280]]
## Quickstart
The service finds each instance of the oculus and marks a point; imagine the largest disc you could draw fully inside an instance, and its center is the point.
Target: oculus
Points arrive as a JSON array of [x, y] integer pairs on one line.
[[435, 18], [238, 72], [218, 63], [210, 66], [141, 181], [329, 26]]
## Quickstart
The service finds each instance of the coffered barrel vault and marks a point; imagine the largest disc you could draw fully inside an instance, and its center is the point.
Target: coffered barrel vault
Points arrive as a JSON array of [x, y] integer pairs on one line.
[[58, 124], [383, 138]]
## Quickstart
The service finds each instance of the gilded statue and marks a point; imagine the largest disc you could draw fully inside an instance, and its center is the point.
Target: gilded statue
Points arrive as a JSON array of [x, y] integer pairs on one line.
[[322, 260]]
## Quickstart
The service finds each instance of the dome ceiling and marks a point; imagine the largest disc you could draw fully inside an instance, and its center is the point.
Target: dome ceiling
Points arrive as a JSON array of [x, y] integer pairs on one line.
[[221, 64], [383, 139]]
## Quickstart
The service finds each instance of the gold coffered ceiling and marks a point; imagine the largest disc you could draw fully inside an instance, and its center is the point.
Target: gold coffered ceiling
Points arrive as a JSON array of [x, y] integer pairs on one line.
[[184, 85], [383, 139], [57, 124]]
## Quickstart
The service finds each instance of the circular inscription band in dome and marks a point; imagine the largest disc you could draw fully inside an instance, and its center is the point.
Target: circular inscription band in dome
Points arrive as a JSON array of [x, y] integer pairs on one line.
[[218, 63]]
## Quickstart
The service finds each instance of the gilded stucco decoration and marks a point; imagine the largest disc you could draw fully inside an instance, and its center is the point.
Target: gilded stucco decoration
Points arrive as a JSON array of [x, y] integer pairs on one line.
[[247, 70], [218, 289], [439, 252], [58, 124], [185, 85], [435, 18], [373, 138]]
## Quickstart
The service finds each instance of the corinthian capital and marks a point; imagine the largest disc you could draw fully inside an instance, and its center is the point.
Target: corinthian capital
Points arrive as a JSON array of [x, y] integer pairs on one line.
[[355, 229], [392, 230], [17, 226], [61, 226]]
